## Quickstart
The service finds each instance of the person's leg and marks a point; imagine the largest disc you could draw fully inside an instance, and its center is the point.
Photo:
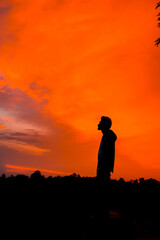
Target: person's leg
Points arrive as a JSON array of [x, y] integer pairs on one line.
[[103, 175], [100, 174], [107, 176]]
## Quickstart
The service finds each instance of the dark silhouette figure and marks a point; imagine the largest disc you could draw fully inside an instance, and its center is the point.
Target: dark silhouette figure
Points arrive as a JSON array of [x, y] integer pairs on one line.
[[106, 153]]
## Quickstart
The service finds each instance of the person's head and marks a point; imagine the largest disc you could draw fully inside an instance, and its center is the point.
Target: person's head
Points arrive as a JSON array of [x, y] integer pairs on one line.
[[105, 123]]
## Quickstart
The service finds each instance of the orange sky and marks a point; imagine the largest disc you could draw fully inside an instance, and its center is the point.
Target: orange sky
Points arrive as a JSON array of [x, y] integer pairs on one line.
[[64, 64]]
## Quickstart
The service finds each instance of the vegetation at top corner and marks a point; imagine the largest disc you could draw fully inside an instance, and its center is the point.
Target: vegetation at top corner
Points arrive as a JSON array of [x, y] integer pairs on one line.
[[157, 42]]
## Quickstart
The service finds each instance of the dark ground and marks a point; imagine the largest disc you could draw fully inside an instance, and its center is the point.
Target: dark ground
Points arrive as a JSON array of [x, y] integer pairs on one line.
[[79, 208]]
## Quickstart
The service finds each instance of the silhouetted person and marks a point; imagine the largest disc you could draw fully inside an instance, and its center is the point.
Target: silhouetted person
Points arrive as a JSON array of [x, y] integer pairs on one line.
[[106, 153]]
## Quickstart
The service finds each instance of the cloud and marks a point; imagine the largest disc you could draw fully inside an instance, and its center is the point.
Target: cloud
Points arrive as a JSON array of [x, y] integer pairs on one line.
[[5, 10], [2, 128], [23, 124], [5, 34], [25, 148], [20, 106], [22, 139], [28, 133]]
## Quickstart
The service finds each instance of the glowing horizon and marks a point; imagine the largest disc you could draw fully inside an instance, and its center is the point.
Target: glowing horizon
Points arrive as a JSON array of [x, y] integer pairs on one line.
[[21, 169]]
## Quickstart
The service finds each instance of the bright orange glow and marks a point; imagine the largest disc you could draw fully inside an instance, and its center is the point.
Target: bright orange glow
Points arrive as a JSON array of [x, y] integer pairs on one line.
[[22, 169], [8, 119], [63, 65], [2, 127]]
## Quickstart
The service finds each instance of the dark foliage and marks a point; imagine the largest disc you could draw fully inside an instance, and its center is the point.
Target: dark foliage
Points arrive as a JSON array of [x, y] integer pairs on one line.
[[157, 42], [77, 207]]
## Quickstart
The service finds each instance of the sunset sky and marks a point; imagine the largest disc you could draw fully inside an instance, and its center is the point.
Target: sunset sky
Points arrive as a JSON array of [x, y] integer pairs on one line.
[[63, 65]]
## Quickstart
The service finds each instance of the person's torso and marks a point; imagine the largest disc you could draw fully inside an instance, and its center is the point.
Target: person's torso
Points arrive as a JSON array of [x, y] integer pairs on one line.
[[106, 151]]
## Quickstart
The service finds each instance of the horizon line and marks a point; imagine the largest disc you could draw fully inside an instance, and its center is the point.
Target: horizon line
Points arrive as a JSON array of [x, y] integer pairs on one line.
[[35, 169]]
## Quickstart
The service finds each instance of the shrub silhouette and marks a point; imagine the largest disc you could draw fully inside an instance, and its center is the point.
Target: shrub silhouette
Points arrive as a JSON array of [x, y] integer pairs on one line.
[[36, 176]]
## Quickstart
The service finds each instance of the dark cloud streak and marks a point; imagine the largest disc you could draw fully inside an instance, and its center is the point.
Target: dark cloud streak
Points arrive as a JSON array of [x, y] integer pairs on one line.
[[5, 10]]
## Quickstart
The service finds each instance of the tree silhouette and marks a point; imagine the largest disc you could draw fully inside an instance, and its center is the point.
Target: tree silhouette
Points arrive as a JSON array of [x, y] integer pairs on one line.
[[157, 42], [36, 176]]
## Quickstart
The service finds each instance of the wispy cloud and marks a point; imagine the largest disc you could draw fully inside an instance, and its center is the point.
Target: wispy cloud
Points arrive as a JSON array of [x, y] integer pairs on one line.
[[25, 148], [2, 128]]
